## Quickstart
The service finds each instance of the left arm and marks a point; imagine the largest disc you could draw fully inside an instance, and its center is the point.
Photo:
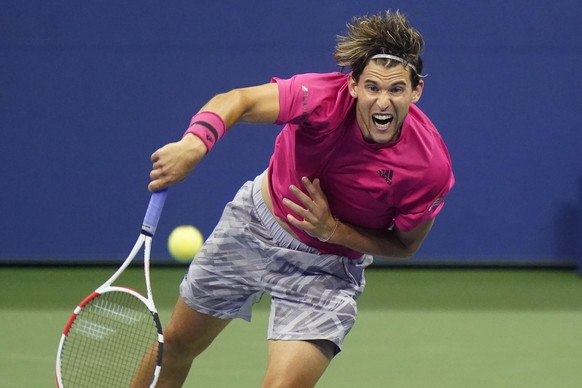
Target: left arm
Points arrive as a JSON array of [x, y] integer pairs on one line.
[[320, 223], [383, 243]]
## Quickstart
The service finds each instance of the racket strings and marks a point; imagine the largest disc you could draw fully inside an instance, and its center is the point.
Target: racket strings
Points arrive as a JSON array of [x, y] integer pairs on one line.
[[110, 338]]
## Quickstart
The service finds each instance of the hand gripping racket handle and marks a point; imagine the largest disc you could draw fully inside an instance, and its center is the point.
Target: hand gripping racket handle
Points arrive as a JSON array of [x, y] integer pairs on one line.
[[152, 216]]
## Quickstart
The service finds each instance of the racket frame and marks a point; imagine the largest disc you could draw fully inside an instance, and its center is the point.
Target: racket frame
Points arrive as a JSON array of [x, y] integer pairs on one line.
[[148, 229]]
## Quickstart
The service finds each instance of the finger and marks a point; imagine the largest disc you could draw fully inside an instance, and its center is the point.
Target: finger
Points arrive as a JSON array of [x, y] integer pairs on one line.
[[297, 209], [157, 165], [294, 221], [309, 186], [318, 189], [314, 190], [303, 225], [302, 197], [155, 186], [155, 174]]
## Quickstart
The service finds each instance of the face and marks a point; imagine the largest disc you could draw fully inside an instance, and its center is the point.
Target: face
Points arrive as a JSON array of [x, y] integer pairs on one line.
[[384, 95]]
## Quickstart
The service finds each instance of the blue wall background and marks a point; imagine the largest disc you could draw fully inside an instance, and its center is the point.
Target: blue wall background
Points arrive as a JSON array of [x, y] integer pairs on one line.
[[89, 89]]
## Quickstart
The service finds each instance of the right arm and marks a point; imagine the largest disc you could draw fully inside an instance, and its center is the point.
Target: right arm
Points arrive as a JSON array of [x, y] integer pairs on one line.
[[173, 162]]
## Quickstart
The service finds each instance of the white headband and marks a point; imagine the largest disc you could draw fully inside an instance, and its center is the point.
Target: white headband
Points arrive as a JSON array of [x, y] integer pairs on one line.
[[395, 58]]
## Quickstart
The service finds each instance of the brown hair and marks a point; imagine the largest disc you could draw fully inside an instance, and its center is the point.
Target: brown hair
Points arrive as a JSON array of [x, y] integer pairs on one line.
[[383, 33]]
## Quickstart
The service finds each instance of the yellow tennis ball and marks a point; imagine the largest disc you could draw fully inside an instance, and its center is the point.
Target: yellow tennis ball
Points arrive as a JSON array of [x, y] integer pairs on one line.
[[184, 242]]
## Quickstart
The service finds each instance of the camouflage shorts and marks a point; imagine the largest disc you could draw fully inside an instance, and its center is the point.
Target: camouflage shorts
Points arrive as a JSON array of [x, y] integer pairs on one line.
[[313, 295]]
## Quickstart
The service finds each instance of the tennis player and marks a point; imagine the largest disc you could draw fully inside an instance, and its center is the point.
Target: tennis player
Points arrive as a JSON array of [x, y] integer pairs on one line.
[[357, 171]]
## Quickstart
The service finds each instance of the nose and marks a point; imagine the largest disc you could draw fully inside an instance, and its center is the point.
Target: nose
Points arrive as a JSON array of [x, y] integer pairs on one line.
[[383, 101]]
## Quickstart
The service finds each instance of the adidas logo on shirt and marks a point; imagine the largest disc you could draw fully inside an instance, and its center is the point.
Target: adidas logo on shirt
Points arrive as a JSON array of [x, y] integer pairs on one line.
[[387, 175]]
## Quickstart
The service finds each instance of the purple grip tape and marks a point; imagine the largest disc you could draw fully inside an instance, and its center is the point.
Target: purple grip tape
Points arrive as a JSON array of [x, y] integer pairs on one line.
[[152, 216]]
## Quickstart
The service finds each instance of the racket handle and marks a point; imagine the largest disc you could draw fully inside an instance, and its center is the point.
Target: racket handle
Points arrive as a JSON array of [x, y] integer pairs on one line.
[[152, 216]]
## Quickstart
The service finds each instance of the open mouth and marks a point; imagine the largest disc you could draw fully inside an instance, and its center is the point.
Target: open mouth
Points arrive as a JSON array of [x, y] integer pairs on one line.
[[382, 121]]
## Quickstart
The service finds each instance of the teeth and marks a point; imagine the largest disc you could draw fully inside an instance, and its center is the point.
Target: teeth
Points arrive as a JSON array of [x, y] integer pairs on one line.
[[382, 120]]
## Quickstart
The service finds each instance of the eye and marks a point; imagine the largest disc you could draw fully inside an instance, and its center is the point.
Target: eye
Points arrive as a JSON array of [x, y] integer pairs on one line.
[[371, 88], [397, 90]]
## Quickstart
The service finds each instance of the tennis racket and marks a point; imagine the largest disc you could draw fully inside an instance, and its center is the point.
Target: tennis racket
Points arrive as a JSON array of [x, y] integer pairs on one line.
[[114, 337]]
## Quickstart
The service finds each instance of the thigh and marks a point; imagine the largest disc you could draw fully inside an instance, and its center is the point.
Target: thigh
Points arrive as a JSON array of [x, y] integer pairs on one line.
[[313, 297], [297, 363], [224, 280], [189, 331]]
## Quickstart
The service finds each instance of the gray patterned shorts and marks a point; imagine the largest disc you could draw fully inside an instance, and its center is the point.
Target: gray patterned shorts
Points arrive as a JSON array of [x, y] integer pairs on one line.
[[313, 295]]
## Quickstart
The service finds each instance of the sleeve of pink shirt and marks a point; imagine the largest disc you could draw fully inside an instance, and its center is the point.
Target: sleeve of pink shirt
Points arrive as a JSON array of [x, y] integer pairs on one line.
[[428, 206], [305, 99], [427, 200]]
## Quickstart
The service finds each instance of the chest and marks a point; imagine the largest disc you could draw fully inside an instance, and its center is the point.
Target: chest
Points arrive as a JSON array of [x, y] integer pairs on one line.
[[364, 190], [364, 186]]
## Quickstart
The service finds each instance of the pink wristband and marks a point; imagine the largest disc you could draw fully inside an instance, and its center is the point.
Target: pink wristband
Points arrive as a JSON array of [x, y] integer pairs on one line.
[[208, 126]]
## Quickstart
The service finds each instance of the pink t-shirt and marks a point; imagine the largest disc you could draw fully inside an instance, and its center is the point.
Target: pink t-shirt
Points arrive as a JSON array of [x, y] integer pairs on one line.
[[378, 186]]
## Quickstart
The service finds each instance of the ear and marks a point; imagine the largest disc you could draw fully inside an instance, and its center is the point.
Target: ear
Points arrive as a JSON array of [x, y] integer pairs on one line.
[[353, 87], [417, 92]]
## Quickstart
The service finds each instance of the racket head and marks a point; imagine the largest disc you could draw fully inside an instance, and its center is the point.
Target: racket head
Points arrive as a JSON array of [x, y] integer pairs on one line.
[[108, 336]]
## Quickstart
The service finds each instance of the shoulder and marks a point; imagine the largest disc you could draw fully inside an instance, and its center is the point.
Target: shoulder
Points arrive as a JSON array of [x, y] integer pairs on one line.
[[427, 153], [321, 83], [315, 78], [419, 121], [420, 133], [314, 99]]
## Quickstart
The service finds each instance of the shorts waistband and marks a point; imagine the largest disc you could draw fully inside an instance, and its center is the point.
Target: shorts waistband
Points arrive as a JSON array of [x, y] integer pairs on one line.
[[280, 235]]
